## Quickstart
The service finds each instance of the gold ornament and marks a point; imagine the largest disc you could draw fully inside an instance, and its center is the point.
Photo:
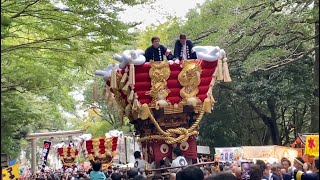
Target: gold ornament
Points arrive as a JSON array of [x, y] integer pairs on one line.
[[159, 74], [189, 78]]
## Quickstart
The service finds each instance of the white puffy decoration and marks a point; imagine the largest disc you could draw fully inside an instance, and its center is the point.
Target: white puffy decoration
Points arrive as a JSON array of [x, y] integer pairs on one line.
[[130, 56], [106, 73], [113, 133], [59, 145], [85, 137], [208, 53], [222, 54]]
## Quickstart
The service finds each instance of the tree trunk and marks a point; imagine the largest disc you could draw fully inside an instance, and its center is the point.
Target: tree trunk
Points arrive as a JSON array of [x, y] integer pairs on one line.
[[270, 122], [314, 127]]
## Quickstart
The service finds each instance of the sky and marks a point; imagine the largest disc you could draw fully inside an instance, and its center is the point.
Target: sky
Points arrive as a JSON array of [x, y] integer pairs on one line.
[[158, 11]]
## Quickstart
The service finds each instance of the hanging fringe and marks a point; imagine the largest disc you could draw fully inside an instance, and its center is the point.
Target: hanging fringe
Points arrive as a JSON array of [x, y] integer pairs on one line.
[[219, 73], [113, 83], [125, 88], [226, 74], [124, 78], [131, 75], [95, 91], [136, 104], [130, 98], [144, 112]]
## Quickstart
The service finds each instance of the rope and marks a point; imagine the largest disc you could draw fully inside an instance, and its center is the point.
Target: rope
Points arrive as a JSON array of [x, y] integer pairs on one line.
[[170, 135]]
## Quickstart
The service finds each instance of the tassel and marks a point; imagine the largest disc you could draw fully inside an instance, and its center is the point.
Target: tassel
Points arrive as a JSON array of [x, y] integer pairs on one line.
[[95, 93], [113, 83], [123, 80], [131, 75], [125, 88], [144, 112], [127, 110], [219, 74], [226, 74], [136, 104], [130, 98]]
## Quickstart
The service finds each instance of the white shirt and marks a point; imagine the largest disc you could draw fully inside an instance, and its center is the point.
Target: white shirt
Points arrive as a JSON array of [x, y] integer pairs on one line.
[[184, 52], [179, 161]]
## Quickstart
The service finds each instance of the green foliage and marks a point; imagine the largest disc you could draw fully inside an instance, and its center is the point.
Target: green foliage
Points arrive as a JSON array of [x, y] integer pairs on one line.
[[269, 45], [47, 50]]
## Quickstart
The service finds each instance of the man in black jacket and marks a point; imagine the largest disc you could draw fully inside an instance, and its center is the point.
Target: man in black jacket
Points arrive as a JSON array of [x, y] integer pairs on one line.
[[183, 48], [157, 51]]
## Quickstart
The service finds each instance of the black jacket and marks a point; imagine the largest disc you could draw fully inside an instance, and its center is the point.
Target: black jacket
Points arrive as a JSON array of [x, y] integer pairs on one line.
[[178, 50], [157, 54]]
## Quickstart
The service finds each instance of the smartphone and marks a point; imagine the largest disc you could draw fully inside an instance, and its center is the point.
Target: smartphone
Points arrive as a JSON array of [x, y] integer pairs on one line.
[[245, 170]]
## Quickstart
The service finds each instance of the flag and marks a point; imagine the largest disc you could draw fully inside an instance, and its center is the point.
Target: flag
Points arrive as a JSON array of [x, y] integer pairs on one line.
[[11, 172], [45, 152], [312, 145]]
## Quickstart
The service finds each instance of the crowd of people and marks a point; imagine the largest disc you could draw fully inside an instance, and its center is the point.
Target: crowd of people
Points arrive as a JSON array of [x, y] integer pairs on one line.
[[179, 169]]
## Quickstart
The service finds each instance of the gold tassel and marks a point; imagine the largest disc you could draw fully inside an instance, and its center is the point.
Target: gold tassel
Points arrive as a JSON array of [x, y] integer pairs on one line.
[[130, 98], [219, 74], [123, 80], [95, 93], [144, 112], [113, 83], [136, 104], [131, 75], [226, 74], [127, 110], [125, 88]]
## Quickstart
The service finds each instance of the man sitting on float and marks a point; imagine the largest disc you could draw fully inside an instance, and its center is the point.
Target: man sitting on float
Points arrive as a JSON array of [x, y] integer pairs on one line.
[[183, 48], [156, 51]]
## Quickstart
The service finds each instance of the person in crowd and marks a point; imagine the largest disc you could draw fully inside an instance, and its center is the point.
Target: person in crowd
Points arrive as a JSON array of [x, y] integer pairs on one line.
[[298, 163], [276, 173], [139, 177], [96, 173], [116, 176], [307, 167], [191, 173], [298, 174], [132, 173], [183, 48], [222, 176], [262, 166], [286, 164], [267, 172], [255, 172], [139, 163], [156, 51], [179, 160]]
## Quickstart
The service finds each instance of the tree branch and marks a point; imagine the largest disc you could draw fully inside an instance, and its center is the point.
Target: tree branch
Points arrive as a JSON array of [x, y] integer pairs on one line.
[[287, 61], [15, 47], [24, 9]]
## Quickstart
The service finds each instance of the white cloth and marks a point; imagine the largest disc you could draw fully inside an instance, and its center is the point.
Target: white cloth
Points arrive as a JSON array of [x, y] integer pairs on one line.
[[179, 161], [140, 165]]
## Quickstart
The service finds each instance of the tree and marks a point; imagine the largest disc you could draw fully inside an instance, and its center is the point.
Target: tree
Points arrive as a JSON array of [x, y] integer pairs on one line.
[[270, 48], [47, 50]]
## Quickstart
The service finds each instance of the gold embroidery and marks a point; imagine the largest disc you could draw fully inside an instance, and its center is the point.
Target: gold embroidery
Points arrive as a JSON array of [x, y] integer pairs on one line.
[[189, 78], [159, 74]]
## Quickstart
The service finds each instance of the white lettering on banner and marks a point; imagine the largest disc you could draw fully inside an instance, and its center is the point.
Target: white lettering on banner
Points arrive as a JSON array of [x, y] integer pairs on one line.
[[228, 154]]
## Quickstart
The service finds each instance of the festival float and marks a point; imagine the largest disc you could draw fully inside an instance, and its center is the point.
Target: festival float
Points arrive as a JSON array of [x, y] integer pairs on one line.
[[68, 156], [165, 100]]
